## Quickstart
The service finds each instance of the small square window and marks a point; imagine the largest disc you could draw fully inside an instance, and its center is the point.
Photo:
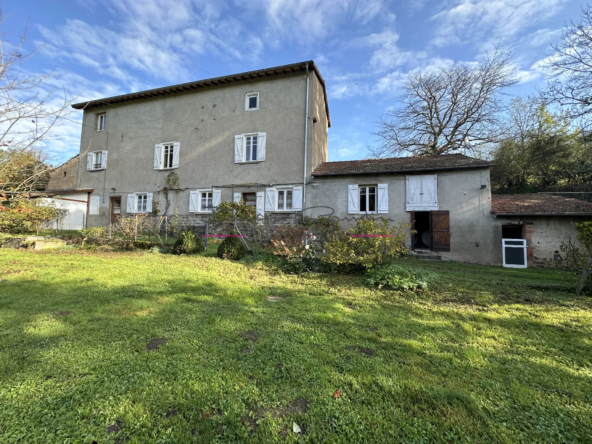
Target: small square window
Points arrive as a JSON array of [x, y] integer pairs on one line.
[[252, 102], [101, 122]]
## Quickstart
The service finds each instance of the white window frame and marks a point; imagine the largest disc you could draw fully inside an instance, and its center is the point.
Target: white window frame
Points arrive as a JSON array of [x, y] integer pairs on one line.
[[245, 142], [143, 197], [515, 243], [160, 150], [360, 210], [216, 200], [171, 154], [277, 203], [92, 165], [247, 97], [101, 121]]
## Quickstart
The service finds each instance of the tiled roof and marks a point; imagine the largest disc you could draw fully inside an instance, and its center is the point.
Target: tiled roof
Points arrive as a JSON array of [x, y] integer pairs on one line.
[[400, 165], [215, 81], [538, 204]]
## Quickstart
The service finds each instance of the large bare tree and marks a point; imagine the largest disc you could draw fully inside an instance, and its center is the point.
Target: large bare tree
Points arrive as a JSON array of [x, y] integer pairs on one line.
[[569, 70], [444, 107], [29, 111]]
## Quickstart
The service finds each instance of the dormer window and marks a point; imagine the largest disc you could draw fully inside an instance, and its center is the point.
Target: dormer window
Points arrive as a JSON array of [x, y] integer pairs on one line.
[[252, 101]]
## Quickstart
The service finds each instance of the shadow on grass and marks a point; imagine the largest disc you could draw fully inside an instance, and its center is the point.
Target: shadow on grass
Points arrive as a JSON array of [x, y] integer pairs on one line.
[[437, 373]]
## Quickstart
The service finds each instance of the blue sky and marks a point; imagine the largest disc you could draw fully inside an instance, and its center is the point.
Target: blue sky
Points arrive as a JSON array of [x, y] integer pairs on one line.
[[362, 47]]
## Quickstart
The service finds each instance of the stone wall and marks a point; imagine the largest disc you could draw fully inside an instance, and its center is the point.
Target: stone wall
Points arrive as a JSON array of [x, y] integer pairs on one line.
[[65, 176]]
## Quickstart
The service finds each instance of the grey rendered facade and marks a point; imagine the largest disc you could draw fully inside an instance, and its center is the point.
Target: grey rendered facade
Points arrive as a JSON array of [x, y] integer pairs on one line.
[[206, 131], [203, 121]]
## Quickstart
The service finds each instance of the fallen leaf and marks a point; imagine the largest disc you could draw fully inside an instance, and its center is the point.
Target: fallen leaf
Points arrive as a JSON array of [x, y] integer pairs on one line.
[[337, 394]]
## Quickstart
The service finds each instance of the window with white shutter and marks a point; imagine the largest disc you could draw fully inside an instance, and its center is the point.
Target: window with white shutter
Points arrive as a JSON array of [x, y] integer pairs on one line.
[[203, 201], [382, 198], [422, 192], [166, 155], [249, 147], [131, 204], [353, 199], [260, 204], [96, 161]]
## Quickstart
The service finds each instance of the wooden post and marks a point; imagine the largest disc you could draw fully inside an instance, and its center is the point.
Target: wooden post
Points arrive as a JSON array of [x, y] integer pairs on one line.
[[584, 273]]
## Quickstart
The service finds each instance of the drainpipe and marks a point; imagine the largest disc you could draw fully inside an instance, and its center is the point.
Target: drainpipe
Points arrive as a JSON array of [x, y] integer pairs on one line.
[[305, 148]]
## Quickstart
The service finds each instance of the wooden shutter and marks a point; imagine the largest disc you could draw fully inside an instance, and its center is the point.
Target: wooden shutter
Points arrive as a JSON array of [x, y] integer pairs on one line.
[[104, 160], [193, 201], [270, 199], [440, 223], [353, 199], [261, 139], [297, 198], [89, 159], [149, 197], [216, 197], [413, 191], [260, 204], [237, 197], [131, 203], [176, 149], [382, 198], [429, 189], [157, 155], [238, 149]]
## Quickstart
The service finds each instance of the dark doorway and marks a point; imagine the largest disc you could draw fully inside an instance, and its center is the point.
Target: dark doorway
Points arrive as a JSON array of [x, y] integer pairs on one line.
[[115, 209], [511, 231], [422, 228]]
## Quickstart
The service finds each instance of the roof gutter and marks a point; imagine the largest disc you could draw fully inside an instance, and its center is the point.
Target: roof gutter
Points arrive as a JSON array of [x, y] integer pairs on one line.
[[409, 171]]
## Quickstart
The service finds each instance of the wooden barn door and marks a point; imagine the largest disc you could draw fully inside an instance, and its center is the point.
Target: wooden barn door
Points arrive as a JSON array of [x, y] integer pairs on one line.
[[440, 230]]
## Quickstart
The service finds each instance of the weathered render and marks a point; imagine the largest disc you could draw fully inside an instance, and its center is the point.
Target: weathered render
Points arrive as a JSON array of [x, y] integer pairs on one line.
[[64, 176], [464, 192], [546, 221], [204, 122]]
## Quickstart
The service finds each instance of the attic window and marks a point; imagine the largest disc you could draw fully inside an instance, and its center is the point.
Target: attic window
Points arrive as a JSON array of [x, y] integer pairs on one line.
[[65, 172], [101, 122], [252, 101]]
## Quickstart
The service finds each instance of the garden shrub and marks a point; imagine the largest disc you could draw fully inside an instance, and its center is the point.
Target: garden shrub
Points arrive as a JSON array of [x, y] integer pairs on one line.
[[95, 235], [288, 240], [397, 277], [21, 214], [343, 248], [188, 243], [143, 245], [232, 248]]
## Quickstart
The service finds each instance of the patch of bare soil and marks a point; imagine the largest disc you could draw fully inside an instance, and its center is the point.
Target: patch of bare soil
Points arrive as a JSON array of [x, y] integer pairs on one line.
[[60, 314], [250, 336], [170, 414], [246, 350], [296, 407], [114, 428], [365, 351], [251, 423], [373, 329], [156, 343]]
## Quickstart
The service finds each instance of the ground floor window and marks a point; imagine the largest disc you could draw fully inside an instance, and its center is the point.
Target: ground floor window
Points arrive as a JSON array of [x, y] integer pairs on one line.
[[141, 203], [206, 199], [284, 200], [368, 199]]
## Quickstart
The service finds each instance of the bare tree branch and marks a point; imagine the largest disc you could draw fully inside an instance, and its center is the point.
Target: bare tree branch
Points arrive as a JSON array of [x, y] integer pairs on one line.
[[569, 70], [442, 108]]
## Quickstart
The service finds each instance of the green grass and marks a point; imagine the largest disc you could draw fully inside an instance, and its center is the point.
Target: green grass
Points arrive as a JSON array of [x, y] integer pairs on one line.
[[489, 355]]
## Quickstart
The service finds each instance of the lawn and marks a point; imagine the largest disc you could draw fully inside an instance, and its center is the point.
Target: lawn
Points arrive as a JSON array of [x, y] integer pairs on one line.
[[143, 347]]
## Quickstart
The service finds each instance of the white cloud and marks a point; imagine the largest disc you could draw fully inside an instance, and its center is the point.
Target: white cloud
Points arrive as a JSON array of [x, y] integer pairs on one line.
[[542, 37], [388, 55], [473, 20]]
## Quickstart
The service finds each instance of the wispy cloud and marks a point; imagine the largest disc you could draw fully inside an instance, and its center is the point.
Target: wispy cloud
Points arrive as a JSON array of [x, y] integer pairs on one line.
[[472, 20]]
